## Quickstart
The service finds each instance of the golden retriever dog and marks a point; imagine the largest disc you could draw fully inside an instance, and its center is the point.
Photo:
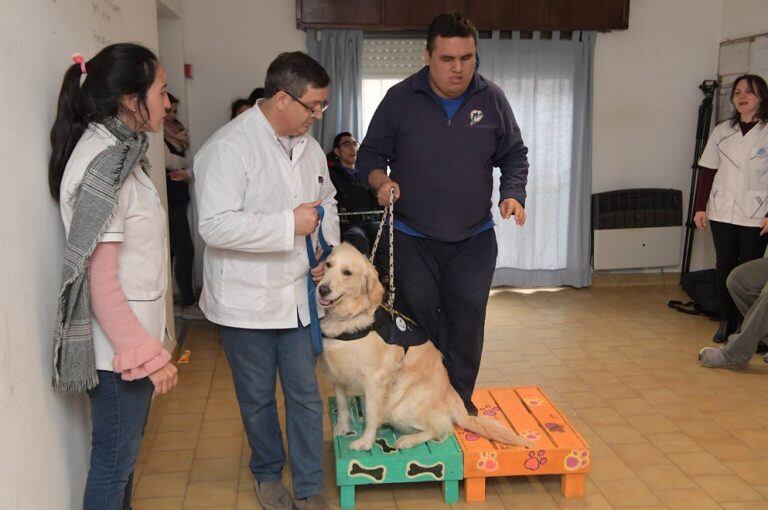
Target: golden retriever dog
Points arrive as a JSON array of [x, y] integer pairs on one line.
[[409, 389]]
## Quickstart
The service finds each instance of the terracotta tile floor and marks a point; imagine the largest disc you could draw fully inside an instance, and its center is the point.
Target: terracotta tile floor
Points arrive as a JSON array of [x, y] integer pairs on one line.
[[664, 432]]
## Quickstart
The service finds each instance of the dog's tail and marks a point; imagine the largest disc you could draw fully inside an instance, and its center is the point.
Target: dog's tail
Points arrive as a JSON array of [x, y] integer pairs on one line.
[[483, 425], [490, 428]]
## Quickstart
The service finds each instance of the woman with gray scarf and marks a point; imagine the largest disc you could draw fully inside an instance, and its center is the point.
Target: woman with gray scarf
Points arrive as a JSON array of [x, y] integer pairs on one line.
[[110, 321]]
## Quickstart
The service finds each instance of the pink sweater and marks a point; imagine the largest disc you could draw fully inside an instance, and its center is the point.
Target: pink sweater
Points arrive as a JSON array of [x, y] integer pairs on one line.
[[137, 353]]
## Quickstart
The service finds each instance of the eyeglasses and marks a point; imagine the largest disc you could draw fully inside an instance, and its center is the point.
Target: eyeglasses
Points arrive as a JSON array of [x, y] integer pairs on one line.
[[317, 110], [349, 143]]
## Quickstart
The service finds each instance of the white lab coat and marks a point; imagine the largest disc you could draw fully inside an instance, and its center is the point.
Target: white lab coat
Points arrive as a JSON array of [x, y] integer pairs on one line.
[[141, 226], [255, 268], [740, 190]]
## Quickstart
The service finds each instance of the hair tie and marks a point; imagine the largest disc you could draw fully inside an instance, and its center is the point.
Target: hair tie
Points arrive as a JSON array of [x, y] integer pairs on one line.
[[79, 59]]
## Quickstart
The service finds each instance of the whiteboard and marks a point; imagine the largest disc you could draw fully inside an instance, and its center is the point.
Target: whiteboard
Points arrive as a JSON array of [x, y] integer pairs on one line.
[[748, 55]]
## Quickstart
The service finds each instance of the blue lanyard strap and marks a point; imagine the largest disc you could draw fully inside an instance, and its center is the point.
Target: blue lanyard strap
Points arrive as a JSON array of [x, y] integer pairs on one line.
[[314, 320]]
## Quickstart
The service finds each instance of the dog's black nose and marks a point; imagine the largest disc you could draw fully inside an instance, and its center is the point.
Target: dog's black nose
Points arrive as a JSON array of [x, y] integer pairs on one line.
[[324, 290]]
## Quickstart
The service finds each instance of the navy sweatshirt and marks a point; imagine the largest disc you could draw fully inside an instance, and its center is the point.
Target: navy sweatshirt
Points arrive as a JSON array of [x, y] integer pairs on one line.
[[444, 166]]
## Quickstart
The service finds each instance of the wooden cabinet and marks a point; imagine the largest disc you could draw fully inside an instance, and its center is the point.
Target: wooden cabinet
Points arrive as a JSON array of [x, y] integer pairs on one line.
[[395, 15], [549, 14], [418, 14], [338, 13]]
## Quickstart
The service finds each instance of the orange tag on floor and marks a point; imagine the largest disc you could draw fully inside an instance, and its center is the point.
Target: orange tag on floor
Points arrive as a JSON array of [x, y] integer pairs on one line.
[[184, 358]]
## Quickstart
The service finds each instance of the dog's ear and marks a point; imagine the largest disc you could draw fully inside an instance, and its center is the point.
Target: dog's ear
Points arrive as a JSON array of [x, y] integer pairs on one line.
[[374, 290]]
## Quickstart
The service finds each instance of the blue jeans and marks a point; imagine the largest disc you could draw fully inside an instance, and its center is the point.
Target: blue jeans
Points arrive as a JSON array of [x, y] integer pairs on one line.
[[255, 357], [119, 411]]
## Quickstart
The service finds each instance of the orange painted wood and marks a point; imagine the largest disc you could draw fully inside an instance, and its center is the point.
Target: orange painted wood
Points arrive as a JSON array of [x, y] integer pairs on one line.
[[572, 486], [474, 489], [557, 447]]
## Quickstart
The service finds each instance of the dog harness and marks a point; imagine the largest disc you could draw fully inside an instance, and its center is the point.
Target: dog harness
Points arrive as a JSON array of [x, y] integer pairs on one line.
[[394, 328]]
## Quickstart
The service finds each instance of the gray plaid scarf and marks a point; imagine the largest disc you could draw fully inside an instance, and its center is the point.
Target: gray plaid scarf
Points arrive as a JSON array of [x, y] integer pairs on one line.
[[74, 363]]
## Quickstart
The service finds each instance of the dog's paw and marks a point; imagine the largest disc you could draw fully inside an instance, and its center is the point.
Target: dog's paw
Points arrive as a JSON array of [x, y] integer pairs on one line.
[[342, 430], [405, 442], [361, 444]]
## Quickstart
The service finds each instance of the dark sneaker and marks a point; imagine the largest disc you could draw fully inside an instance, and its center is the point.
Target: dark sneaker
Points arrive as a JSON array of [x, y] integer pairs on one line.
[[315, 502], [272, 495], [726, 329], [471, 408]]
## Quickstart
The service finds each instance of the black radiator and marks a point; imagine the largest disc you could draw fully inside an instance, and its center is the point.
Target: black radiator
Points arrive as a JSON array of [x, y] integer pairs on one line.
[[637, 208]]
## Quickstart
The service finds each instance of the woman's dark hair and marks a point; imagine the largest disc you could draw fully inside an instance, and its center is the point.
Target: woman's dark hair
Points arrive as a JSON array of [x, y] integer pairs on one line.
[[293, 72], [256, 94], [236, 105], [332, 156], [116, 71], [760, 89], [449, 25]]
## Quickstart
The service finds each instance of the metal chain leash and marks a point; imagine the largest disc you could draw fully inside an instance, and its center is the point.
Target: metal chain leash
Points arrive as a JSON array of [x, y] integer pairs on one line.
[[388, 215]]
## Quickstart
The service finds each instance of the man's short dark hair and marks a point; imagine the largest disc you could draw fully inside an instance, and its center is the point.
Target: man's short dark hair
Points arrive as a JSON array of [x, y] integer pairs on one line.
[[293, 72], [450, 24]]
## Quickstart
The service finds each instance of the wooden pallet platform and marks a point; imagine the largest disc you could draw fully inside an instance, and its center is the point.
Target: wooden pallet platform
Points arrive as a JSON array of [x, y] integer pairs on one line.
[[432, 461], [558, 449]]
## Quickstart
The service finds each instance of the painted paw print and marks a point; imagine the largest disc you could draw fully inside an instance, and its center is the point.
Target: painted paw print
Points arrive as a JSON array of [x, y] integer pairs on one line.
[[533, 401], [577, 459], [471, 436], [488, 461], [487, 410], [535, 460], [554, 427], [531, 435]]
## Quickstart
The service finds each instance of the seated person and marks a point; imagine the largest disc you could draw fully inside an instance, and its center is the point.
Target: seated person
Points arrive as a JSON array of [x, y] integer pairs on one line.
[[748, 286], [353, 195]]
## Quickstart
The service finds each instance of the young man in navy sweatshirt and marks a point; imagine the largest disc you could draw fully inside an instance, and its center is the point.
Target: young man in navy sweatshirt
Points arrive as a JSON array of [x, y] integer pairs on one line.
[[441, 131]]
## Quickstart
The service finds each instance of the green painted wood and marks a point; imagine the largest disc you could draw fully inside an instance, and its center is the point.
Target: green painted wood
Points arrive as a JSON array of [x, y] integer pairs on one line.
[[451, 491], [347, 497], [433, 461]]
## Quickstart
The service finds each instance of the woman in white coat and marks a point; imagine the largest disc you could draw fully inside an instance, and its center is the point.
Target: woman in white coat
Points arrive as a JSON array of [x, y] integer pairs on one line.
[[732, 190], [110, 323]]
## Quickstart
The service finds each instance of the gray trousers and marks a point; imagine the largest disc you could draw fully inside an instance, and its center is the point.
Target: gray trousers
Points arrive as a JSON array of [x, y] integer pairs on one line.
[[748, 285]]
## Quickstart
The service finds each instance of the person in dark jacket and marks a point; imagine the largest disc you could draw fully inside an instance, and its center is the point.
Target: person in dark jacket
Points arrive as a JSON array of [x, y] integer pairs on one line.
[[178, 173], [352, 194], [441, 132]]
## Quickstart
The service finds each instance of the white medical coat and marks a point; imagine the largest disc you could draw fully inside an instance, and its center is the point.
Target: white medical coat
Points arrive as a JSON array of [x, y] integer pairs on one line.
[[740, 190], [141, 226], [255, 269]]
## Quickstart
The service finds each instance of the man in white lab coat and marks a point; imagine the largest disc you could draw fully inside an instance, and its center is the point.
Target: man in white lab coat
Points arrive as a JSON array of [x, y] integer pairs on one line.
[[258, 182]]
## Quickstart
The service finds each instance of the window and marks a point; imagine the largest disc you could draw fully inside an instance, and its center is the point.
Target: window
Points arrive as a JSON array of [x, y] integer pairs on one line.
[[385, 63]]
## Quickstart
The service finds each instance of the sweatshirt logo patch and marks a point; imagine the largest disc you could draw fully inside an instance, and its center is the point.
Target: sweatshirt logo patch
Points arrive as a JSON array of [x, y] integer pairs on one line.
[[475, 116]]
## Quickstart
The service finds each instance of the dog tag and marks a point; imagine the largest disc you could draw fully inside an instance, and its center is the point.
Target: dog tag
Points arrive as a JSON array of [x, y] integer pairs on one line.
[[400, 323]]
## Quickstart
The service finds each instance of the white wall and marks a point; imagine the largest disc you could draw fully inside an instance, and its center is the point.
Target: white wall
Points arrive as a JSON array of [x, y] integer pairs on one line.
[[646, 98], [743, 18], [171, 55], [44, 437], [230, 47]]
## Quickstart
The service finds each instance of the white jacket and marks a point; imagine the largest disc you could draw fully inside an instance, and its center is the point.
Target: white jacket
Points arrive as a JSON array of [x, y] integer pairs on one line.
[[141, 226], [255, 268], [740, 190]]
